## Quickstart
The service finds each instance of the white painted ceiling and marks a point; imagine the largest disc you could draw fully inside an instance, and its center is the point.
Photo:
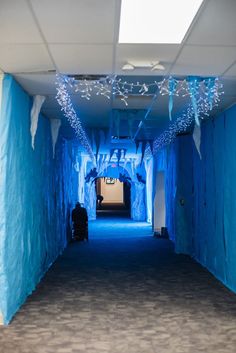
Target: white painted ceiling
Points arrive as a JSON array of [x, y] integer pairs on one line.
[[81, 37]]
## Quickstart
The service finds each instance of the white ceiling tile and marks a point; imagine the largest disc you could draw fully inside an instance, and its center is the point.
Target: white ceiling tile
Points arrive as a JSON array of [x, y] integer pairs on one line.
[[76, 21], [24, 58], [204, 61], [231, 72], [45, 83], [83, 59], [165, 53], [17, 24], [216, 24]]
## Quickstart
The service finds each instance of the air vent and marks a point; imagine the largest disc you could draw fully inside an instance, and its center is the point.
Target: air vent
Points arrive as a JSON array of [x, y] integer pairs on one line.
[[87, 77]]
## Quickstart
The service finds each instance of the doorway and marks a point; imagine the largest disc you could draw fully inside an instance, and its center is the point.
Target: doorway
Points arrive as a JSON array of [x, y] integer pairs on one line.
[[113, 197]]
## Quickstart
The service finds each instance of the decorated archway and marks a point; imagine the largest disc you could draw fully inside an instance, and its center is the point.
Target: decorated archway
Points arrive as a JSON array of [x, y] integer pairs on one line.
[[130, 172]]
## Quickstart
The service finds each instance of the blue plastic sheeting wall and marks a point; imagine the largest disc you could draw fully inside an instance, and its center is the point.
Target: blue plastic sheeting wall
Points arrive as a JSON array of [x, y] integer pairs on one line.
[[205, 222], [37, 194]]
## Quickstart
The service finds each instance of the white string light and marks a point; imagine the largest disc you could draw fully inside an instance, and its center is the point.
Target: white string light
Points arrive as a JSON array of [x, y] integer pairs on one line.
[[111, 85], [204, 94], [64, 100], [184, 122]]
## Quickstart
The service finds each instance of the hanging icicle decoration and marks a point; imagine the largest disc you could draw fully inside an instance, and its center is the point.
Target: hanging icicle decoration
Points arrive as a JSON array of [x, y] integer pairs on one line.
[[55, 127], [193, 85], [172, 88], [64, 100], [197, 139], [34, 116], [184, 122]]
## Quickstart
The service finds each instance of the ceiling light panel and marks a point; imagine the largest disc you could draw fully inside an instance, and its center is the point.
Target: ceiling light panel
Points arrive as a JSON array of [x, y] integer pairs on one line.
[[156, 21]]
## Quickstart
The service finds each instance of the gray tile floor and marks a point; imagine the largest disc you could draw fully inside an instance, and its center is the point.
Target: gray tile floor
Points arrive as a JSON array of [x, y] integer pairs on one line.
[[121, 294]]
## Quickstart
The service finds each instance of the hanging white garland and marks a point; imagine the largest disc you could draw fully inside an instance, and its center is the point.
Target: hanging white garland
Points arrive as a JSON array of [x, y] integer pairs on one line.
[[194, 87], [204, 94], [65, 102], [182, 124]]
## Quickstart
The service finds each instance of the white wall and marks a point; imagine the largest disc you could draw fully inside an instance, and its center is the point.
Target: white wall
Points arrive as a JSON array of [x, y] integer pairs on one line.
[[159, 202], [112, 193], [149, 189]]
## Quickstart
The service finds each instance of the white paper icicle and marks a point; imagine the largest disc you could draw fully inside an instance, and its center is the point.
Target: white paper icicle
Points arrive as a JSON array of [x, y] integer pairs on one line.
[[34, 115], [197, 138], [55, 127]]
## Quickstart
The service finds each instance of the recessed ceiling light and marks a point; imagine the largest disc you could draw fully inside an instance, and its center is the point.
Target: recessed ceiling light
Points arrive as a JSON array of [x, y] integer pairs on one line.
[[156, 21], [127, 67]]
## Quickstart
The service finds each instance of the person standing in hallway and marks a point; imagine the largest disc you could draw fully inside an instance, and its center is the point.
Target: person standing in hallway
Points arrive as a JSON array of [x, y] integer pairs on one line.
[[99, 200], [80, 223]]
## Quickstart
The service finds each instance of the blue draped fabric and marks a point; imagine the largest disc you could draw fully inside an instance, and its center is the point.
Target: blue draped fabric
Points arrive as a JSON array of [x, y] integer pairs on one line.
[[36, 199], [204, 226]]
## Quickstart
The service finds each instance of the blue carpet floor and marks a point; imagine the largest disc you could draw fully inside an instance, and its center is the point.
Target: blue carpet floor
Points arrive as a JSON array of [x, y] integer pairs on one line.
[[117, 227], [124, 292]]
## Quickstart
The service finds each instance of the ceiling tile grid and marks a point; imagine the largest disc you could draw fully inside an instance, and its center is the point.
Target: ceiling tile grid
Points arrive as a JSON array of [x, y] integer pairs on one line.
[[216, 25], [165, 53], [24, 58], [204, 60], [76, 21], [231, 72], [17, 24], [80, 37], [83, 58]]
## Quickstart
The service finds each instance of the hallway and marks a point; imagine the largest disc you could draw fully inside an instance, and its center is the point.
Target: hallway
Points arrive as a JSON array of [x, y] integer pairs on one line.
[[124, 291]]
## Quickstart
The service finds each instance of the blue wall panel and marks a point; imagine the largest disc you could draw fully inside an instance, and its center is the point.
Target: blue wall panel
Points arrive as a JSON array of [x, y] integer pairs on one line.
[[37, 193], [205, 227]]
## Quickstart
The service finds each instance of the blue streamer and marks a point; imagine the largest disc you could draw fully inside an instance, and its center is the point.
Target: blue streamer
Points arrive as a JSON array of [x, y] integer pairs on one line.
[[172, 88], [193, 85]]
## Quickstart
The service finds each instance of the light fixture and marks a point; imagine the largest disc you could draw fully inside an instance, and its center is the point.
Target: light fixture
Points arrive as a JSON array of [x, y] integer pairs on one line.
[[158, 67], [156, 21], [131, 65], [127, 67]]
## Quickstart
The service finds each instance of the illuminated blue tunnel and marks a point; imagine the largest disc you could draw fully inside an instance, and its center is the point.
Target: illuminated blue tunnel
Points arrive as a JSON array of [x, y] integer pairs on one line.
[[38, 192]]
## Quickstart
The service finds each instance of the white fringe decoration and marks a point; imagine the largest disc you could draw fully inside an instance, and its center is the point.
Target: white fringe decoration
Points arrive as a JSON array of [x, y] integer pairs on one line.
[[37, 104]]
